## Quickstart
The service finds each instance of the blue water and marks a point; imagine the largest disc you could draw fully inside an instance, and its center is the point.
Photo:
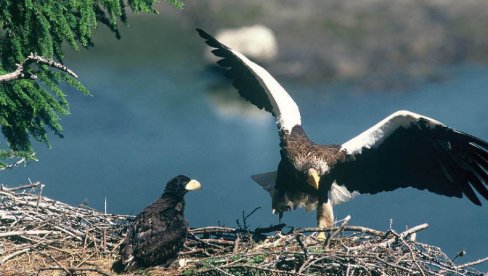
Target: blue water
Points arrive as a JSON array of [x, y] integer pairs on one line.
[[161, 114]]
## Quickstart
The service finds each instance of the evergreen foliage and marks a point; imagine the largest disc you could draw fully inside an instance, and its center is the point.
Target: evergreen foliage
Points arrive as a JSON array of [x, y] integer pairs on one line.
[[29, 107]]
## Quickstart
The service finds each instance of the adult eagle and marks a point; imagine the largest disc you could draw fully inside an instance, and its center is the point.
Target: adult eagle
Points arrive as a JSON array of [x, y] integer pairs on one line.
[[403, 150], [159, 231]]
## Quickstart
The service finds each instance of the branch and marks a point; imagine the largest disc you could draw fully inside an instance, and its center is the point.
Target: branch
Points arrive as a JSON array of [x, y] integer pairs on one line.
[[27, 232], [480, 261], [338, 230], [20, 161], [404, 234], [345, 228], [22, 73], [23, 187], [271, 228], [212, 230], [10, 256], [73, 270]]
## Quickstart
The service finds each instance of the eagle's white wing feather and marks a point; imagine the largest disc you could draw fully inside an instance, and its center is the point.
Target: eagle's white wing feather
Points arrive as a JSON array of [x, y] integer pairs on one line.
[[376, 134]]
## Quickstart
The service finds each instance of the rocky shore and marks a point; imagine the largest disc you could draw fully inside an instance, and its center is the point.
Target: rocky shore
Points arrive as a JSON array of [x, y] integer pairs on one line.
[[363, 41]]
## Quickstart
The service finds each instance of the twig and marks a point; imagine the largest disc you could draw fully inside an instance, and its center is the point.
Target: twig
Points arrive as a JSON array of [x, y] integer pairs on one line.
[[22, 73], [405, 234], [27, 232], [412, 253], [236, 244], [85, 260], [23, 187], [217, 241], [245, 227], [220, 270], [346, 228], [338, 230], [212, 230], [394, 265], [10, 256], [461, 253], [269, 229], [68, 232], [480, 261], [73, 270], [302, 245], [60, 265], [277, 271], [305, 265], [39, 198], [18, 162]]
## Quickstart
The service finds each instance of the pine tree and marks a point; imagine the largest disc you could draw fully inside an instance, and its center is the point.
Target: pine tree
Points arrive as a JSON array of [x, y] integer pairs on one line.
[[31, 37]]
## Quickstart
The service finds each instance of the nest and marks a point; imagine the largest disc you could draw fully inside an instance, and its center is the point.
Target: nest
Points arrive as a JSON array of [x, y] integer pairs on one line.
[[348, 250], [41, 236]]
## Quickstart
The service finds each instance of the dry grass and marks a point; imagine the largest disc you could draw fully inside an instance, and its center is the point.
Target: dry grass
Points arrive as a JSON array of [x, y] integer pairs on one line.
[[41, 236]]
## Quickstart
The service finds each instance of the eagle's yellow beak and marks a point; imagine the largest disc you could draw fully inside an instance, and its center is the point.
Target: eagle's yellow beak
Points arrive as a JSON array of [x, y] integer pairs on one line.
[[193, 185], [313, 178]]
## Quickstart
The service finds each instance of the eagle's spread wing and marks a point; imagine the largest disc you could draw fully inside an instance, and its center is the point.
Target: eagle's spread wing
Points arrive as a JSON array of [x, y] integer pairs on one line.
[[255, 84], [409, 150]]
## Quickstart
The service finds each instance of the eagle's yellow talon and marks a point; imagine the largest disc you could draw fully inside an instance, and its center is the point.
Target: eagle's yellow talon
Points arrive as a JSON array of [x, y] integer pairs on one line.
[[321, 237]]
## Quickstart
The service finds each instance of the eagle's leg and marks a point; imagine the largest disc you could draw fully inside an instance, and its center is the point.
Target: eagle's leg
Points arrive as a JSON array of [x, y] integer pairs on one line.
[[325, 217]]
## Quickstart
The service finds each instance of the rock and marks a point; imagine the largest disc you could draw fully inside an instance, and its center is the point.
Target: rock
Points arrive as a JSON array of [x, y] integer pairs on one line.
[[256, 42]]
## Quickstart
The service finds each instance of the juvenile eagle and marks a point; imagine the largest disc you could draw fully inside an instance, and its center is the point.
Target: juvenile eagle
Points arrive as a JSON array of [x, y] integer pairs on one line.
[[159, 231], [403, 150]]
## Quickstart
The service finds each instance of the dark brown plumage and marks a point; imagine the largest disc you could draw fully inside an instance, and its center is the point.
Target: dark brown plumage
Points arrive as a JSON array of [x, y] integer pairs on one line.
[[293, 185], [159, 231]]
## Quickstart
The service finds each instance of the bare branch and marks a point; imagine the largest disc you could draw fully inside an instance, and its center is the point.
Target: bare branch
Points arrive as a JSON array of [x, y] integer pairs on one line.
[[10, 256], [23, 187], [73, 270], [345, 228], [480, 261], [18, 162], [338, 230], [404, 234], [26, 232], [22, 73]]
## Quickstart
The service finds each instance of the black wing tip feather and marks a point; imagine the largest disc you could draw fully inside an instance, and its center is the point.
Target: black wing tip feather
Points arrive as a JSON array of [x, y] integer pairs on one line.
[[220, 50], [479, 152], [212, 42], [201, 32], [205, 35], [478, 149], [244, 80]]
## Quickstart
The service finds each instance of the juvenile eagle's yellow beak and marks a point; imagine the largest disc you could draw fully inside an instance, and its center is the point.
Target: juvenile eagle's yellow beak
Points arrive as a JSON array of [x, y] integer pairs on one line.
[[193, 185], [313, 178]]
